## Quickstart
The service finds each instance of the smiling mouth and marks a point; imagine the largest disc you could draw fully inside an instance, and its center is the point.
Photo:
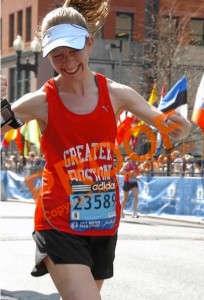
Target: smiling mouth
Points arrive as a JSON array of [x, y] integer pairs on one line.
[[72, 71]]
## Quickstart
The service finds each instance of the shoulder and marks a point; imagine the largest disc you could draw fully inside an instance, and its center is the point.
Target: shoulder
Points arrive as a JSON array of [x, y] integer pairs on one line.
[[122, 96], [30, 99], [126, 98], [120, 91]]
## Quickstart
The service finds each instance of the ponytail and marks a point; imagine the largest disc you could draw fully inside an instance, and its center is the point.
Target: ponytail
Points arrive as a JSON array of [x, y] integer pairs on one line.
[[94, 12], [90, 14]]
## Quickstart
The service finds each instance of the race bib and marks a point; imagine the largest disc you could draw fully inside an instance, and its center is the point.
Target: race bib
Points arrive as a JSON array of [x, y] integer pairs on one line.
[[93, 207]]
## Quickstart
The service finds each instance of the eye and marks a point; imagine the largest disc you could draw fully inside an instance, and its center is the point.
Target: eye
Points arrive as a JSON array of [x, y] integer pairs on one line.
[[57, 55]]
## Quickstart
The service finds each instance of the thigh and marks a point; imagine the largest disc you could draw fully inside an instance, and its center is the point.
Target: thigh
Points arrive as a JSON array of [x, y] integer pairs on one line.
[[135, 192], [125, 195], [62, 248], [73, 281]]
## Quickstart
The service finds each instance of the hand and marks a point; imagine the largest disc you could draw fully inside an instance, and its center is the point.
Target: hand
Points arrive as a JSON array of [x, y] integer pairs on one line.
[[183, 126], [3, 86]]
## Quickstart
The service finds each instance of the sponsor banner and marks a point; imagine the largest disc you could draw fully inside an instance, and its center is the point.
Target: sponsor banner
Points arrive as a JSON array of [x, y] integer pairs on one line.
[[15, 186], [157, 195], [168, 195]]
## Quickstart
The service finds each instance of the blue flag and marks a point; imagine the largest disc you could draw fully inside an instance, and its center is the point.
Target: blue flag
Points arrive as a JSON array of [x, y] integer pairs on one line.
[[176, 98]]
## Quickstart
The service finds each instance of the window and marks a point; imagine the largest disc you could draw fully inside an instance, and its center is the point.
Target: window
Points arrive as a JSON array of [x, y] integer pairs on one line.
[[11, 29], [20, 23], [28, 23], [169, 27], [124, 26], [197, 32]]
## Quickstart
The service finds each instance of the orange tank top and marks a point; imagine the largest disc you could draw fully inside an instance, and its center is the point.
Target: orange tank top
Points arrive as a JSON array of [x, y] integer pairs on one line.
[[80, 194], [132, 166]]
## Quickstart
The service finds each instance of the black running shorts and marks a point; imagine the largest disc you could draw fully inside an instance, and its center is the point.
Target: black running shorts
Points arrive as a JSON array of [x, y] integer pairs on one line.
[[128, 186], [97, 252]]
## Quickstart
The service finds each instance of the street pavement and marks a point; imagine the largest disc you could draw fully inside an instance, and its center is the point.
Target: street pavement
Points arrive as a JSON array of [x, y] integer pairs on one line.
[[157, 258]]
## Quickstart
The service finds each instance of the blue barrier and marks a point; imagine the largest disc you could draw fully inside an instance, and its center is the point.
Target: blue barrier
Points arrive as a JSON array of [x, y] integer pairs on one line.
[[157, 195], [15, 186], [168, 195]]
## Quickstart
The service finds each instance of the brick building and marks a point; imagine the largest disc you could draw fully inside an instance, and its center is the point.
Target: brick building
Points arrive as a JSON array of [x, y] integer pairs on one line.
[[127, 49]]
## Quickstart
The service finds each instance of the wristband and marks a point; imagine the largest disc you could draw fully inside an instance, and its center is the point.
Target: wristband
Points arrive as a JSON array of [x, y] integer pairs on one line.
[[8, 117]]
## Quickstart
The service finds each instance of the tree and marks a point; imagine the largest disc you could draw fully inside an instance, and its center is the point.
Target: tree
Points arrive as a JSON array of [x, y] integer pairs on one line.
[[167, 52], [170, 51]]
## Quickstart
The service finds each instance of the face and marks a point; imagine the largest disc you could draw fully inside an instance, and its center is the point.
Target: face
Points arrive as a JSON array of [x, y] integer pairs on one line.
[[70, 62]]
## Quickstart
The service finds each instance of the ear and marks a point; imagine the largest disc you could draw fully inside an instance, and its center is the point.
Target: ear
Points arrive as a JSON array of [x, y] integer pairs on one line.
[[90, 42]]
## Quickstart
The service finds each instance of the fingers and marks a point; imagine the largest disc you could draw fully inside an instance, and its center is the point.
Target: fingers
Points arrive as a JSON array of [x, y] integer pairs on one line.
[[182, 127], [176, 117]]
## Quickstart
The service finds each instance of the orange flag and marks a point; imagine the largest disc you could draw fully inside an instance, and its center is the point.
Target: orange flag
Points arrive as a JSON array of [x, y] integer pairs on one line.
[[8, 137], [19, 141]]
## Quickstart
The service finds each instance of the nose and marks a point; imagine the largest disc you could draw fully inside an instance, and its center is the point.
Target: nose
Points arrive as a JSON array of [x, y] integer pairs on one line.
[[68, 55]]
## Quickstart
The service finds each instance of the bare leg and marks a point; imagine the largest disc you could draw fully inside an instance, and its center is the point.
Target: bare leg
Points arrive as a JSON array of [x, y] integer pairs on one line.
[[135, 201], [99, 284], [74, 281]]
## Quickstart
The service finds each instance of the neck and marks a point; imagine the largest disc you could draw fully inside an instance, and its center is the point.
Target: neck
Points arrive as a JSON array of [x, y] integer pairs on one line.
[[77, 86]]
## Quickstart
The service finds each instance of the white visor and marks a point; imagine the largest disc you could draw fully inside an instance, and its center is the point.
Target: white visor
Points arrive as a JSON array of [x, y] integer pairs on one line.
[[64, 35]]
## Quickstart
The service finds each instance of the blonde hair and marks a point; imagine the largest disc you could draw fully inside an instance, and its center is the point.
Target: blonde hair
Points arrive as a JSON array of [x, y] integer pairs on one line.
[[90, 14]]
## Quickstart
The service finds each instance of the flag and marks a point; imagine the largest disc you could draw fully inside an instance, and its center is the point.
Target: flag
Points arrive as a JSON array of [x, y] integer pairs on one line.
[[159, 144], [123, 115], [159, 137], [31, 133], [19, 141], [153, 96], [8, 137], [176, 98], [13, 134], [198, 110], [163, 91], [122, 128], [152, 100]]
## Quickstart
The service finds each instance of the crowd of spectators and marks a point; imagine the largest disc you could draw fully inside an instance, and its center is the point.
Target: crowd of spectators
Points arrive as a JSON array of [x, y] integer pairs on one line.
[[25, 165], [172, 164]]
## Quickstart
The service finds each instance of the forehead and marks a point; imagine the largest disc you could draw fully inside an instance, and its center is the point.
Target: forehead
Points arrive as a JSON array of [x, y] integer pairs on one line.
[[63, 49]]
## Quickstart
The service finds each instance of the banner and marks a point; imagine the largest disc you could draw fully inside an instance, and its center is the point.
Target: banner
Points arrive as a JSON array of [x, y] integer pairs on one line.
[[15, 186], [157, 195], [168, 195]]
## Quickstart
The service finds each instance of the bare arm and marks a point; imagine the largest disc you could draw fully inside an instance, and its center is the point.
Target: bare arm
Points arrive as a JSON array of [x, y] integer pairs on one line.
[[30, 106], [125, 98]]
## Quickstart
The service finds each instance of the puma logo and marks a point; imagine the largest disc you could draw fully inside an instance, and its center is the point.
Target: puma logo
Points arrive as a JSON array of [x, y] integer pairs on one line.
[[105, 107]]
